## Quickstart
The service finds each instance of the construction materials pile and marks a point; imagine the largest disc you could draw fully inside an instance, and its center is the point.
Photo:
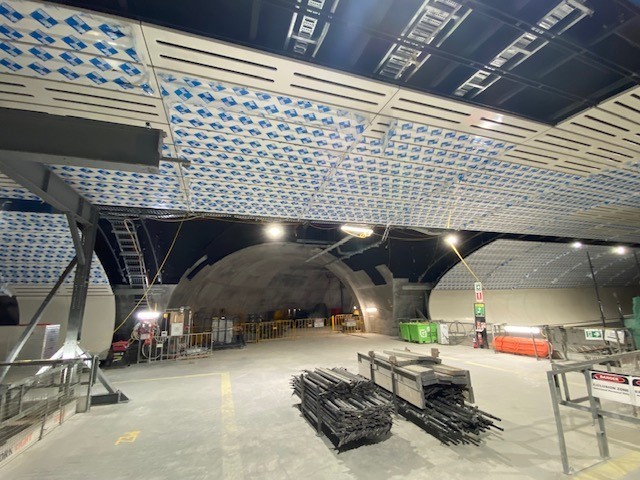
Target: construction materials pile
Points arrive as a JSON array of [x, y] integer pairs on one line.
[[348, 407], [436, 397]]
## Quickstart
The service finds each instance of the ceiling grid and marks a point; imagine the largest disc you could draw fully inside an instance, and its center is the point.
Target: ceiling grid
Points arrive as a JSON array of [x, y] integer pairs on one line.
[[266, 136]]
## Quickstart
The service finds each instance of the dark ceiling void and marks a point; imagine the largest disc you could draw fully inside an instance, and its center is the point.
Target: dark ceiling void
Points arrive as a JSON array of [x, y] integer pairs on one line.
[[545, 60], [420, 256]]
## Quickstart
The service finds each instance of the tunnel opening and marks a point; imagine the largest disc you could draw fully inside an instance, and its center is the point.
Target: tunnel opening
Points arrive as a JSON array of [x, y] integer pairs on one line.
[[273, 282]]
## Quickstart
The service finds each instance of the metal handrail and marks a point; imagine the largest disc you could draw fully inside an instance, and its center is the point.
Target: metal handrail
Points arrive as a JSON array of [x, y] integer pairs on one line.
[[561, 396]]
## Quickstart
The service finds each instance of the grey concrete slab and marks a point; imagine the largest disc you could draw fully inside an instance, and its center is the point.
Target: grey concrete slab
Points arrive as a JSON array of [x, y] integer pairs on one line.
[[231, 416]]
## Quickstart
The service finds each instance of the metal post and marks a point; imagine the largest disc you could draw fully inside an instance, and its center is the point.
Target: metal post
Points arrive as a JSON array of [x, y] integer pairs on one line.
[[80, 287], [555, 403], [92, 378], [15, 351], [595, 286], [565, 385], [601, 434], [547, 334], [535, 347]]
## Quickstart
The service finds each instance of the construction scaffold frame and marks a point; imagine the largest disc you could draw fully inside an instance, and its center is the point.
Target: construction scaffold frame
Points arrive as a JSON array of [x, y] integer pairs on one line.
[[620, 365]]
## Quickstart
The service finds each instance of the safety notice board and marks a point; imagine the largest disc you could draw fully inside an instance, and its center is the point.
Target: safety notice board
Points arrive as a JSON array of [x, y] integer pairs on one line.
[[615, 386]]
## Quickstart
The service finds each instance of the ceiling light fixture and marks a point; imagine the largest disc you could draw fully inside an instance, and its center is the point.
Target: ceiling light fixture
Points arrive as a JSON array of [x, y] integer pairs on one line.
[[620, 250], [359, 231], [148, 315], [452, 239], [576, 245], [274, 231], [521, 329]]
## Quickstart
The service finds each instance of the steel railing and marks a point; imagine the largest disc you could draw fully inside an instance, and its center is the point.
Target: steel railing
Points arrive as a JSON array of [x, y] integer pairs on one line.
[[175, 347], [39, 395], [612, 378]]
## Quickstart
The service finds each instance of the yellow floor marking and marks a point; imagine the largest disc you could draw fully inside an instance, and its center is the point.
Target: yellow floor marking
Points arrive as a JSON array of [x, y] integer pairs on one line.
[[128, 437], [177, 377], [449, 358], [491, 367], [231, 460], [613, 469]]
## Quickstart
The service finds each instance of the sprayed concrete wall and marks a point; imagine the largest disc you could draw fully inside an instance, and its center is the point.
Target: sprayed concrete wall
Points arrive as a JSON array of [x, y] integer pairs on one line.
[[260, 279], [276, 275], [533, 306]]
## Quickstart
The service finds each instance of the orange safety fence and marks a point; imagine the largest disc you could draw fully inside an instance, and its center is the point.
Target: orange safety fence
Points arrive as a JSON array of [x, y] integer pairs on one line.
[[522, 346]]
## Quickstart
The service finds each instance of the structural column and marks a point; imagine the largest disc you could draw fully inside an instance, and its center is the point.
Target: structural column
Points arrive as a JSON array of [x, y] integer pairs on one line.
[[84, 251]]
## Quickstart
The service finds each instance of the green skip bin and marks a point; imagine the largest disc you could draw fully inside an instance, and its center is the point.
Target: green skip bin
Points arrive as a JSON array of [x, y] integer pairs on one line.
[[423, 332]]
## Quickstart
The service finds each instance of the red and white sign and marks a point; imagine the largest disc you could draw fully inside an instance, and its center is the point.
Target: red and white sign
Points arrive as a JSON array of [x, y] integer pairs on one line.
[[612, 386], [479, 296], [635, 388]]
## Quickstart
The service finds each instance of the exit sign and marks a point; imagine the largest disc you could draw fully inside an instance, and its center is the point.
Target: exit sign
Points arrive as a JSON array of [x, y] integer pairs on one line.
[[593, 334]]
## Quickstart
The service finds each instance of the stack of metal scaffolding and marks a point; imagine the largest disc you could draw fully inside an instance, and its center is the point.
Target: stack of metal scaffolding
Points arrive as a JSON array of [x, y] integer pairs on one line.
[[432, 395], [448, 417], [347, 407]]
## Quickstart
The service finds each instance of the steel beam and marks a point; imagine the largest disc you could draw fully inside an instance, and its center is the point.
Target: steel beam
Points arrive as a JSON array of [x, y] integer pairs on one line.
[[595, 286], [56, 139], [77, 239], [41, 181], [80, 287]]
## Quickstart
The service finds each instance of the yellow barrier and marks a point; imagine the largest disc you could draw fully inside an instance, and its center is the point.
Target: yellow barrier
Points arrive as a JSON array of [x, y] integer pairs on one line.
[[291, 329], [262, 331], [347, 323]]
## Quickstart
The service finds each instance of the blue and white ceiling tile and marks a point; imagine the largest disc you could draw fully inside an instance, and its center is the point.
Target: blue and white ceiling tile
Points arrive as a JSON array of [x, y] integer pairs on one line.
[[257, 152], [36, 248], [218, 103], [57, 43]]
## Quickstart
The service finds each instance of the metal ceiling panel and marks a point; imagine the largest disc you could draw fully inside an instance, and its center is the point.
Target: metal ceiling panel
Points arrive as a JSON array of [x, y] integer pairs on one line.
[[262, 135], [235, 65], [62, 44]]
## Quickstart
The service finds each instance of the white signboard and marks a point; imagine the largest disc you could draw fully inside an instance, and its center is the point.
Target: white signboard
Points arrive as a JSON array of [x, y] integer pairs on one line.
[[611, 335], [612, 386], [478, 287]]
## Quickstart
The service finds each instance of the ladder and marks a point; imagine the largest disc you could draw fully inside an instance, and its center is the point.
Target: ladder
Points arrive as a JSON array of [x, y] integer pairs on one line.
[[131, 253]]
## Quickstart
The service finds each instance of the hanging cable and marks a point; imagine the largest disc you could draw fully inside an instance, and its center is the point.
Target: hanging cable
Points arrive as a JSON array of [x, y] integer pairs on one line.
[[166, 257], [465, 263]]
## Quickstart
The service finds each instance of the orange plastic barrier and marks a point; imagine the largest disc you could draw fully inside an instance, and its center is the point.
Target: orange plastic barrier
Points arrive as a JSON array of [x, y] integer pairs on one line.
[[521, 346]]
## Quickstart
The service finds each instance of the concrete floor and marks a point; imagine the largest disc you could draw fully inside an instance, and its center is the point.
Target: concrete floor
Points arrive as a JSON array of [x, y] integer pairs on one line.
[[231, 416]]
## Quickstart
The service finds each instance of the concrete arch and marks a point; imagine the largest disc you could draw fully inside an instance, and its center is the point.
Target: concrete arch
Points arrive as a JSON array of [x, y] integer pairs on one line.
[[258, 269]]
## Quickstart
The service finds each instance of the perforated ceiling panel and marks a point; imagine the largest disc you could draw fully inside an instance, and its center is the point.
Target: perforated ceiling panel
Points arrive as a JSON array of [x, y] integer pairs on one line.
[[270, 137], [65, 45], [36, 248], [509, 264]]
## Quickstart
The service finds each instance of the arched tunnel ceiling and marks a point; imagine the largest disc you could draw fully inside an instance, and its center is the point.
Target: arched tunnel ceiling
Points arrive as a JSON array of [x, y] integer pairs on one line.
[[264, 277], [509, 264], [271, 137]]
